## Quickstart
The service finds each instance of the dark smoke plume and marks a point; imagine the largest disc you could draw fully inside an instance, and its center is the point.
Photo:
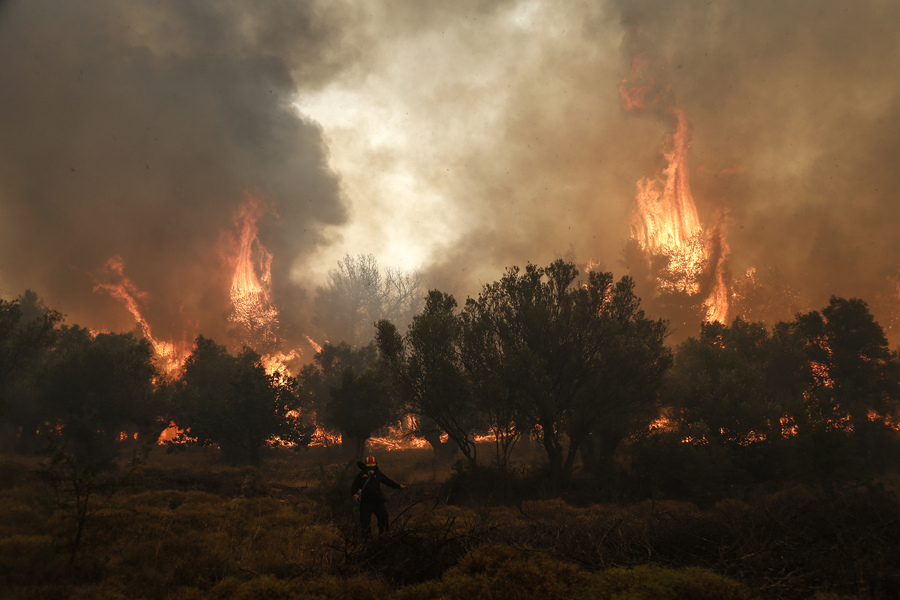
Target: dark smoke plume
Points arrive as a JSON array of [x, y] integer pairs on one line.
[[136, 129]]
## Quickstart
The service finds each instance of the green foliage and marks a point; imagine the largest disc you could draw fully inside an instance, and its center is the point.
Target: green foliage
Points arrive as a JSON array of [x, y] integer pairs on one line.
[[27, 328], [350, 392], [231, 401], [721, 379], [574, 358], [812, 402], [429, 375], [97, 387], [838, 367]]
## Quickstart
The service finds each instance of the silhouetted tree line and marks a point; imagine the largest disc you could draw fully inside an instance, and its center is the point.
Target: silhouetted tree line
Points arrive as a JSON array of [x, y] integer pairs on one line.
[[567, 359]]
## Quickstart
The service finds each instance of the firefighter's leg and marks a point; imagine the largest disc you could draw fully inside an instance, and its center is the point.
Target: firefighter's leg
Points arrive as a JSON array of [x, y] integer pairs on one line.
[[382, 515], [365, 518]]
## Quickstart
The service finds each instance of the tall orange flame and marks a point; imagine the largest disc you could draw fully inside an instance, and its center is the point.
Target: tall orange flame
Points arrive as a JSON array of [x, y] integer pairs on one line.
[[312, 343], [252, 308], [665, 221], [251, 284], [171, 356]]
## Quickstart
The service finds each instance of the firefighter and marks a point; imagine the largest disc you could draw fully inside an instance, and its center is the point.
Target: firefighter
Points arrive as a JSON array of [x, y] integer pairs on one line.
[[368, 497]]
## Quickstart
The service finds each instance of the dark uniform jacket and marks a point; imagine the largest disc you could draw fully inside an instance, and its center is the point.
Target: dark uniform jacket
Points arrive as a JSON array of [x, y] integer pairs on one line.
[[369, 480]]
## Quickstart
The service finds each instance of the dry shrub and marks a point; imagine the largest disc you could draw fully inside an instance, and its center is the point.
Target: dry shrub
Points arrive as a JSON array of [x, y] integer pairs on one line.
[[320, 588], [657, 583], [18, 514], [246, 482], [183, 542], [503, 573], [28, 558], [511, 573], [789, 544]]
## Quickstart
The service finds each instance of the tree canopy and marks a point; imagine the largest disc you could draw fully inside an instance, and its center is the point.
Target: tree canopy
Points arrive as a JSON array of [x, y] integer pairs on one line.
[[231, 401], [349, 392]]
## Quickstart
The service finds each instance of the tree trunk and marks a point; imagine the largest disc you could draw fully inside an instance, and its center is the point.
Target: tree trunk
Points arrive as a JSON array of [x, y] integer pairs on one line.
[[443, 451], [555, 458], [147, 438], [598, 451], [353, 446]]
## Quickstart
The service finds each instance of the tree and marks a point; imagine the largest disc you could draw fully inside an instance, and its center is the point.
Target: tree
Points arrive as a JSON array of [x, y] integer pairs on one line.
[[349, 392], [27, 328], [548, 341], [633, 362], [357, 295], [840, 374], [722, 380], [94, 388], [28, 332], [428, 370], [232, 402], [861, 367], [153, 414]]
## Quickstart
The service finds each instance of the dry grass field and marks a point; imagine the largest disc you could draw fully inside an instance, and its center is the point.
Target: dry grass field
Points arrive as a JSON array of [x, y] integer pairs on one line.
[[186, 527]]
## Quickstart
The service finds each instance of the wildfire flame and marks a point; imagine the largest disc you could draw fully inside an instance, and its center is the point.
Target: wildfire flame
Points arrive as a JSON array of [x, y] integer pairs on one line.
[[251, 284], [171, 356], [312, 343], [665, 221], [250, 293]]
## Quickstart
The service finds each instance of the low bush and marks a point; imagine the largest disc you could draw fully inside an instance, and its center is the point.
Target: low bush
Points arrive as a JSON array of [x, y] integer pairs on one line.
[[278, 539], [512, 573]]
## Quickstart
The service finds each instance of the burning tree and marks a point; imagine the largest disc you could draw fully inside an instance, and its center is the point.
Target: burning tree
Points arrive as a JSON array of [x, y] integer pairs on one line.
[[847, 370], [253, 315], [814, 398], [231, 401], [683, 260]]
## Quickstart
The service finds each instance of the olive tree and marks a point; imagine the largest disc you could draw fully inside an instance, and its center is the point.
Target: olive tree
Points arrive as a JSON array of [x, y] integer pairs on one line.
[[564, 352], [231, 401]]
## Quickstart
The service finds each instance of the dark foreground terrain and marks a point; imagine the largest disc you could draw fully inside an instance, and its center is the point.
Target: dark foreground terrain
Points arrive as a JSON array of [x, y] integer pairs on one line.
[[186, 527]]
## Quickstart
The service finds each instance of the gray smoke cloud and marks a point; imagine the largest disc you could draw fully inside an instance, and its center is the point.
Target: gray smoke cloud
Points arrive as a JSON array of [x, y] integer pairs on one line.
[[137, 129], [794, 110]]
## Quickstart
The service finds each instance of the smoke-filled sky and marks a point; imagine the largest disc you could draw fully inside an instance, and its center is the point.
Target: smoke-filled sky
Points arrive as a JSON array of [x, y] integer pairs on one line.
[[455, 137]]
